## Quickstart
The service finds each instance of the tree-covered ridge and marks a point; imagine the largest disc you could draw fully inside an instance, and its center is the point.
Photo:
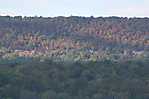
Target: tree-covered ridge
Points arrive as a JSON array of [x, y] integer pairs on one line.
[[26, 78], [124, 30], [84, 37]]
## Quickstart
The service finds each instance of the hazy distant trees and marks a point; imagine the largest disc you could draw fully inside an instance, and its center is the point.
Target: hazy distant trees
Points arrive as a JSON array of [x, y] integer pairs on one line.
[[113, 29]]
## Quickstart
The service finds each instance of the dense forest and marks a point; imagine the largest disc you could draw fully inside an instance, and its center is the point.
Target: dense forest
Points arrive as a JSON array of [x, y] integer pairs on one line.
[[74, 57], [82, 38], [33, 79]]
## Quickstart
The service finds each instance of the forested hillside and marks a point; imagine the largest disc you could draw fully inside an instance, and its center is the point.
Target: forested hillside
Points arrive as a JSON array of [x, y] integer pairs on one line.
[[74, 58], [82, 38]]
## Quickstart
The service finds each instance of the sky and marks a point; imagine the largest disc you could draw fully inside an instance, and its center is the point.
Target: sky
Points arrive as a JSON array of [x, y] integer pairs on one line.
[[97, 8]]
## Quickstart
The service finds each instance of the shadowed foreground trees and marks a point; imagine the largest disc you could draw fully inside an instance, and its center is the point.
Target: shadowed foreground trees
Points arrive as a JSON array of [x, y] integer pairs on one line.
[[33, 79]]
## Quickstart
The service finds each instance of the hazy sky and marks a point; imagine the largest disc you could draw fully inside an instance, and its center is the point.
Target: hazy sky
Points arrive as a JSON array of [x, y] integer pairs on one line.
[[129, 8]]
